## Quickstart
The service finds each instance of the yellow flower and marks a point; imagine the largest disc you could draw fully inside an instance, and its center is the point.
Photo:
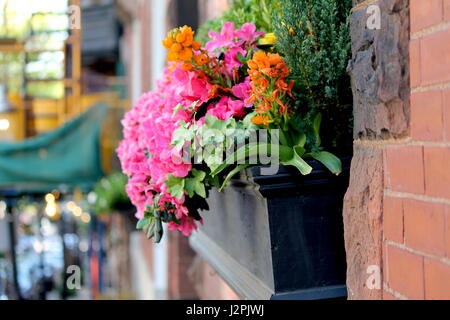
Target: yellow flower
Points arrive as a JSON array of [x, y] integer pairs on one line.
[[270, 38]]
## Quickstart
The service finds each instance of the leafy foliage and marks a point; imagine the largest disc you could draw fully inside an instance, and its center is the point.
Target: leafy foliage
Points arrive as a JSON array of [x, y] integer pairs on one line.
[[258, 12], [111, 194], [313, 36]]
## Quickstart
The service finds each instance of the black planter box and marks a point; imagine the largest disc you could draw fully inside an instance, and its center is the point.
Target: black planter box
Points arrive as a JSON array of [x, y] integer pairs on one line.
[[278, 236]]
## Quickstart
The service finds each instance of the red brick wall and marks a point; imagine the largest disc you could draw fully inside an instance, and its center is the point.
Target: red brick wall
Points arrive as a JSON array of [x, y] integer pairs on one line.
[[180, 259], [416, 215], [208, 284], [145, 19]]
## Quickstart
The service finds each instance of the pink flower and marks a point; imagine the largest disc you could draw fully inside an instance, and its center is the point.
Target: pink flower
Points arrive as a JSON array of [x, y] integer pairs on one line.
[[187, 225], [136, 190], [231, 59], [227, 108], [146, 154], [242, 90], [247, 32], [223, 39], [189, 87]]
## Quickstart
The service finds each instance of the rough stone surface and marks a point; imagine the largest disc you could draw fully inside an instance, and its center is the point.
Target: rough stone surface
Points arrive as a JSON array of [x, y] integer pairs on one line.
[[363, 205], [380, 72], [380, 82]]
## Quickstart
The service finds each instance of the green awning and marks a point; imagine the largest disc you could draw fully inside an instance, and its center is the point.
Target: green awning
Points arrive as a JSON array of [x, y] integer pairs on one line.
[[66, 158]]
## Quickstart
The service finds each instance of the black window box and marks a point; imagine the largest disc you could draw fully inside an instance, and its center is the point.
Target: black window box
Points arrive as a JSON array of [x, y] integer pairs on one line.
[[278, 236]]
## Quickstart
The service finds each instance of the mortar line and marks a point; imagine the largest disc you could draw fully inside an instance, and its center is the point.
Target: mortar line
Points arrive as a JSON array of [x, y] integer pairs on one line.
[[438, 86], [406, 195], [393, 292], [445, 261], [431, 30]]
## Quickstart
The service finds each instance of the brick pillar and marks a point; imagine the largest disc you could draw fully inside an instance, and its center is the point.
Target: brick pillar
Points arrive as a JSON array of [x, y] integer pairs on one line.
[[181, 257], [417, 191], [397, 209], [380, 81], [208, 284]]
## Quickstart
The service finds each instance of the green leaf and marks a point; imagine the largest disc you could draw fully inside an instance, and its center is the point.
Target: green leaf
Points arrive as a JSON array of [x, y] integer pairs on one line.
[[299, 150], [177, 108], [199, 174], [297, 161], [200, 189], [241, 58], [158, 230], [149, 229], [252, 150], [195, 184], [190, 187], [248, 123], [213, 181], [316, 128], [180, 106], [239, 155], [142, 223], [329, 160], [181, 135], [213, 122], [175, 186], [232, 174], [299, 139]]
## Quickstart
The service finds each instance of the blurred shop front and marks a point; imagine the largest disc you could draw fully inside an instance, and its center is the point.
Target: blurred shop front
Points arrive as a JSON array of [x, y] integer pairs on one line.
[[63, 91]]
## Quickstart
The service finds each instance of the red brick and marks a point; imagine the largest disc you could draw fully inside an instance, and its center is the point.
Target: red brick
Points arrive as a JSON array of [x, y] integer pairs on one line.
[[404, 169], [437, 171], [426, 116], [414, 65], [425, 14], [446, 10], [425, 226], [405, 274], [393, 219], [446, 110], [447, 229], [435, 58], [437, 280], [388, 296]]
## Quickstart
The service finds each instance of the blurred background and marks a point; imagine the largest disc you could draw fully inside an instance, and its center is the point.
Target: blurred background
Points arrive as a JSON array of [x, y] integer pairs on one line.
[[69, 69]]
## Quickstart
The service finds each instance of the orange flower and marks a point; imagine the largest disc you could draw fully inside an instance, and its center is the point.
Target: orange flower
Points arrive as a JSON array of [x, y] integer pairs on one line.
[[252, 64], [261, 120], [274, 95], [262, 82], [186, 66], [269, 70], [251, 99], [283, 108], [213, 92], [274, 59], [186, 54], [201, 59], [189, 39], [176, 47], [168, 42], [254, 74], [180, 43], [196, 45], [264, 107], [185, 36], [172, 56], [260, 60]]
